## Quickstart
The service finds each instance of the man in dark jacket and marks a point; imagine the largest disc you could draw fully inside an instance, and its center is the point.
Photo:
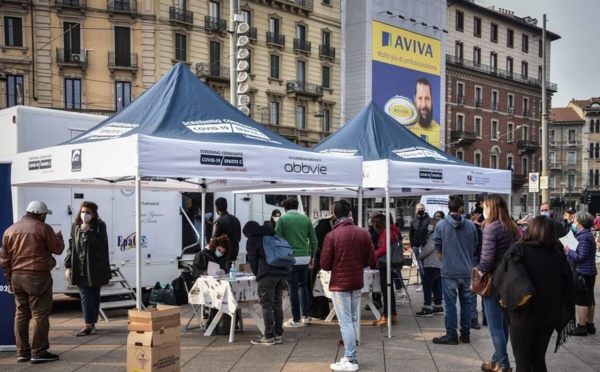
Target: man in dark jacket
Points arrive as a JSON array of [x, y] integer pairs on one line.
[[318, 307], [227, 224], [347, 250], [546, 210], [418, 235], [271, 282]]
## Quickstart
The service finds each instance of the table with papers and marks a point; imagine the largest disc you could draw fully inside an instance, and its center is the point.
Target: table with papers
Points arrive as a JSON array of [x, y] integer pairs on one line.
[[225, 295]]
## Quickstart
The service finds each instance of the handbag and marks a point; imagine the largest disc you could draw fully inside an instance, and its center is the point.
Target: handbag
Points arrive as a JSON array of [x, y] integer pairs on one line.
[[396, 256], [481, 284], [162, 295]]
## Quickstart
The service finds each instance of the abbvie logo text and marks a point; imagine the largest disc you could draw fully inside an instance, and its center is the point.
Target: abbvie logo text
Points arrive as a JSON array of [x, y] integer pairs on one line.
[[305, 168]]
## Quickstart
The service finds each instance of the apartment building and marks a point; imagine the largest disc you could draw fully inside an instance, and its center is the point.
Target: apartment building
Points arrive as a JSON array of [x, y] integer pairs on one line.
[[97, 56], [493, 90]]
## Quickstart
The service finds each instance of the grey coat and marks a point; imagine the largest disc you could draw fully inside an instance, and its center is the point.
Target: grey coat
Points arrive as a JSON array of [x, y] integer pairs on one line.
[[427, 254]]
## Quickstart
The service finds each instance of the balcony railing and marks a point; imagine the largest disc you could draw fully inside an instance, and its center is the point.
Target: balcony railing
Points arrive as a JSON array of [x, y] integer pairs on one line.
[[71, 58], [510, 110], [215, 24], [518, 180], [22, 2], [478, 103], [525, 113], [326, 51], [122, 6], [76, 4], [555, 166], [303, 87], [252, 34], [301, 45], [275, 39], [498, 72], [181, 15], [528, 146], [462, 137], [122, 60], [460, 100], [211, 70], [306, 5], [295, 134]]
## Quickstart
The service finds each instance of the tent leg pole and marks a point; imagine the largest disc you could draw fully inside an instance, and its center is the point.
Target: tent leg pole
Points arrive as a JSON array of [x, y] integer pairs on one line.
[[360, 206], [388, 260], [138, 242], [203, 233]]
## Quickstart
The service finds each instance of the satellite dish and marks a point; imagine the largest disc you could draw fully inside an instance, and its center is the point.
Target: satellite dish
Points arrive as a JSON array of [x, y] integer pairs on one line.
[[242, 77], [242, 41], [242, 28], [243, 100], [243, 88], [243, 65], [243, 53], [244, 109]]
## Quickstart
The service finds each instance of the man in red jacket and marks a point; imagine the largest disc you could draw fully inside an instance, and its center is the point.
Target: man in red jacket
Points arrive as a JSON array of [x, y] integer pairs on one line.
[[347, 250]]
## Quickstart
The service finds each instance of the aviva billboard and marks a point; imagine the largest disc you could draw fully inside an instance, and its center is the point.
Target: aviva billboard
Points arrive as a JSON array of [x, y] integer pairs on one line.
[[406, 79]]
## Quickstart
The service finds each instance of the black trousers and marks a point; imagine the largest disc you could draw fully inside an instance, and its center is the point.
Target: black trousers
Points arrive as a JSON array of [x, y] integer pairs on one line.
[[529, 339], [383, 283]]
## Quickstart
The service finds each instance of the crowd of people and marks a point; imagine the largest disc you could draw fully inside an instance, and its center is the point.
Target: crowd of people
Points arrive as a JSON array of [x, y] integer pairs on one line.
[[539, 285]]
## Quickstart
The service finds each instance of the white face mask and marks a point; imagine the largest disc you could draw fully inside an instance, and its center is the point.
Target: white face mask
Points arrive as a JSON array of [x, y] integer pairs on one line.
[[86, 217], [275, 219], [485, 213], [430, 228], [218, 253]]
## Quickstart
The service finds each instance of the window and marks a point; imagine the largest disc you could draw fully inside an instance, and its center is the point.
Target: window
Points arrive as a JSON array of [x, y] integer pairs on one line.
[[214, 9], [460, 154], [326, 77], [572, 134], [592, 126], [494, 134], [460, 93], [14, 90], [524, 70], [495, 103], [71, 42], [460, 122], [493, 61], [511, 103], [181, 51], [591, 150], [458, 50], [525, 166], [510, 163], [571, 181], [13, 31], [477, 125], [494, 161], [123, 46], [301, 71], [571, 158], [274, 113], [540, 48], [326, 2], [526, 107], [301, 32], [476, 55], [551, 134], [494, 33], [326, 120], [525, 133], [477, 161], [249, 60], [460, 21], [525, 43], [274, 25], [326, 38], [477, 26], [73, 94], [597, 126], [597, 177], [478, 97], [301, 117], [122, 94], [552, 159], [540, 73], [275, 66], [247, 16], [509, 65], [215, 58], [510, 38], [510, 132]]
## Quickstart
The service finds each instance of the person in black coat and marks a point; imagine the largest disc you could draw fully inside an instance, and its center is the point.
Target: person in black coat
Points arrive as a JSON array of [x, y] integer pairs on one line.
[[318, 307], [217, 251], [229, 225], [88, 263], [271, 280]]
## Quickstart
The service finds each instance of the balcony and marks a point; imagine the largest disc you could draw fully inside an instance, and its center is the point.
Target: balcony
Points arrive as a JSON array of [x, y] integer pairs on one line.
[[275, 39], [510, 110], [478, 103], [211, 71], [303, 88], [460, 100], [215, 24], [525, 112], [252, 34], [528, 146], [122, 6], [460, 137], [24, 3], [495, 106], [72, 4], [574, 143], [178, 15], [486, 69], [301, 45], [71, 58], [518, 180], [295, 5], [555, 167], [326, 51], [122, 61], [307, 137]]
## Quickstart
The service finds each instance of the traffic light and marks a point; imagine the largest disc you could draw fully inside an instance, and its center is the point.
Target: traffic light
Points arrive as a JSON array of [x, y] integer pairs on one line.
[[582, 198], [588, 198]]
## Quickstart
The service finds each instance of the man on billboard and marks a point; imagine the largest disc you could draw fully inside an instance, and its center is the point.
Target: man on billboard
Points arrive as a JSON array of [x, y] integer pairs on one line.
[[426, 128]]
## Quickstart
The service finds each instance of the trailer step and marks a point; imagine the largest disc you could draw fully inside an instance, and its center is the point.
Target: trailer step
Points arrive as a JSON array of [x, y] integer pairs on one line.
[[118, 294]]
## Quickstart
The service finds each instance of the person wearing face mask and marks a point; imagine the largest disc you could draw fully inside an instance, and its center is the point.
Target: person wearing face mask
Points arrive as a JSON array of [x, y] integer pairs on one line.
[[432, 280], [568, 219], [418, 235], [88, 263], [216, 251], [274, 217], [546, 210]]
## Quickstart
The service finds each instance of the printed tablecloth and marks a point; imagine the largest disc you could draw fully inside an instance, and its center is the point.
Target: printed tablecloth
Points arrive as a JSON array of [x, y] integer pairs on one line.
[[370, 277], [223, 294]]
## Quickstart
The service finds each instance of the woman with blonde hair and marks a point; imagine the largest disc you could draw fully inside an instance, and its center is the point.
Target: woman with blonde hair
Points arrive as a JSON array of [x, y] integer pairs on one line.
[[499, 233]]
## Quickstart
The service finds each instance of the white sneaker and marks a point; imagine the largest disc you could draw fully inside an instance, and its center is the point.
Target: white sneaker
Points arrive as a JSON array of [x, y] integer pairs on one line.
[[291, 323], [345, 365], [420, 288], [306, 320], [402, 292]]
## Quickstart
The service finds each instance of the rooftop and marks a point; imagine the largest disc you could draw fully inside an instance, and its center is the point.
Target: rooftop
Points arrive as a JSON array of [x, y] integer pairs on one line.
[[564, 114]]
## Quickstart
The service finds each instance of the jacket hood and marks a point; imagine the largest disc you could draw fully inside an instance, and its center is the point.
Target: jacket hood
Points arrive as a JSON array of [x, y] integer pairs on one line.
[[344, 223], [252, 228], [457, 224]]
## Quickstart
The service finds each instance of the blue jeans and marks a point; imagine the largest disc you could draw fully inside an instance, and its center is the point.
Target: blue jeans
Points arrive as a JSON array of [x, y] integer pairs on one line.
[[270, 290], [346, 309], [298, 288], [90, 301], [498, 331], [457, 288], [432, 284]]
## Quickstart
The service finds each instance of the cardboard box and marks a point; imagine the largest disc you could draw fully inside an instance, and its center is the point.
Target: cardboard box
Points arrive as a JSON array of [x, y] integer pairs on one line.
[[161, 337], [163, 358], [154, 318], [244, 268]]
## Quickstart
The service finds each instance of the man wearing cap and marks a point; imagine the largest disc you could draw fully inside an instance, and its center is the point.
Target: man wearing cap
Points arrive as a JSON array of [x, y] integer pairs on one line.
[[568, 219], [26, 259]]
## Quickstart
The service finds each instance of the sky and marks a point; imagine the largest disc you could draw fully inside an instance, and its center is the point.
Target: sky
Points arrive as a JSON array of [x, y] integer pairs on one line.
[[575, 57]]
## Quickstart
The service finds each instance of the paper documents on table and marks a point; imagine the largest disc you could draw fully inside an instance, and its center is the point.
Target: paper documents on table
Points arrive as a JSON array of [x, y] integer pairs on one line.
[[569, 241], [213, 269]]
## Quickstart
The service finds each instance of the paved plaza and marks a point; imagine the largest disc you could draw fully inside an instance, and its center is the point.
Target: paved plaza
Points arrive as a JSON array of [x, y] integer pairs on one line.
[[310, 348]]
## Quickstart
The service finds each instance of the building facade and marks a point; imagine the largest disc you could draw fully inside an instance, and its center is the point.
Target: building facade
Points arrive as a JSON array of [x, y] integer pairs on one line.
[[493, 91], [94, 56]]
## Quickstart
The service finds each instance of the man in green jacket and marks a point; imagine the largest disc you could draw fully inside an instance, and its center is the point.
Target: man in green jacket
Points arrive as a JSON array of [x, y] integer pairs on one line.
[[298, 230]]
